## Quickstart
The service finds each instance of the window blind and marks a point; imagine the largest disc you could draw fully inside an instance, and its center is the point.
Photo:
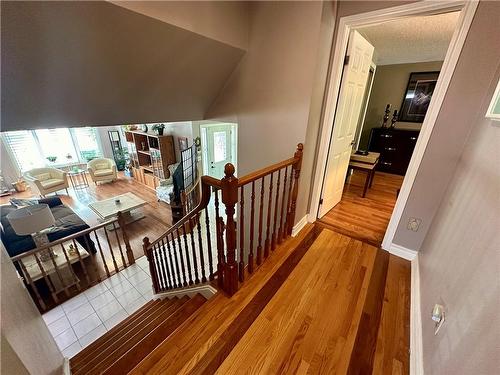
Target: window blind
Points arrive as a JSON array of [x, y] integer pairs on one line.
[[23, 146]]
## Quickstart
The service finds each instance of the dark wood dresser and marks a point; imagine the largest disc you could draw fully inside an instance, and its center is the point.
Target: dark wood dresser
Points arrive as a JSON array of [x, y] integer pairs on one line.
[[395, 147]]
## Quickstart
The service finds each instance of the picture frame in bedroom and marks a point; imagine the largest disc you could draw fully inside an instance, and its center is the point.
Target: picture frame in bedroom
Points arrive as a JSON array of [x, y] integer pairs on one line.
[[418, 95], [183, 143]]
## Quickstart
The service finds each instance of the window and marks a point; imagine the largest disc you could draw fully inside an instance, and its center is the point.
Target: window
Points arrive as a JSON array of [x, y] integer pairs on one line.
[[56, 147]]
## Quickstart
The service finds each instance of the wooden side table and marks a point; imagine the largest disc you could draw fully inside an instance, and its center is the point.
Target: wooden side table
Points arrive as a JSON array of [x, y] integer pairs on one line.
[[366, 163], [78, 178]]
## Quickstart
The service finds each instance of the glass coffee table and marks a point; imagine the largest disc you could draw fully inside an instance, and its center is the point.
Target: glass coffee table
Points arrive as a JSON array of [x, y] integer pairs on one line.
[[127, 203], [78, 178]]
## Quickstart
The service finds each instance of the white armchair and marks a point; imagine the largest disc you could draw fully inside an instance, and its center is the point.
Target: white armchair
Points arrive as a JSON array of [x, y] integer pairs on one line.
[[102, 169], [46, 180]]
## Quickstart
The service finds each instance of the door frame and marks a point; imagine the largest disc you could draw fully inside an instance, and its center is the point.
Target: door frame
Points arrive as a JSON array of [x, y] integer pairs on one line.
[[204, 146], [348, 23]]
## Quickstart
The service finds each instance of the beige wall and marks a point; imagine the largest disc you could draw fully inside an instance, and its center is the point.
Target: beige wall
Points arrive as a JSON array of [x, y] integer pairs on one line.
[[225, 21], [460, 257], [389, 87], [459, 114], [23, 327], [84, 63], [269, 93]]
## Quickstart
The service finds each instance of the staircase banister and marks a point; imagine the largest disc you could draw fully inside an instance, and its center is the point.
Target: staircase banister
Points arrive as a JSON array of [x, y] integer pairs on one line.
[[206, 183], [265, 171]]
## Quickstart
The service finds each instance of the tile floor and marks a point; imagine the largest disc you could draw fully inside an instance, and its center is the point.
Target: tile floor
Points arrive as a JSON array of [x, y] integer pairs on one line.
[[84, 318]]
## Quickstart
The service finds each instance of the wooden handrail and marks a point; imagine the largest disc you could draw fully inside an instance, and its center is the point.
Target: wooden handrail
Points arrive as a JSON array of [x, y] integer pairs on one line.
[[265, 171], [64, 239]]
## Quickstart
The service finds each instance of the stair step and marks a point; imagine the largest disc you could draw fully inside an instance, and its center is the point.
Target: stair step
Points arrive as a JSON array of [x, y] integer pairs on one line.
[[155, 337], [134, 333], [104, 341]]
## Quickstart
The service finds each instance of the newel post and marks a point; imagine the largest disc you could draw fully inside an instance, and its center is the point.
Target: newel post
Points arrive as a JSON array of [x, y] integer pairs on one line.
[[128, 249], [230, 198], [152, 268], [295, 191]]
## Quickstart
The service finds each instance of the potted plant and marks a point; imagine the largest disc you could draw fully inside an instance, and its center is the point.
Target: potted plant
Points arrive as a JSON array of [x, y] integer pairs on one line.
[[52, 159], [121, 157], [158, 128]]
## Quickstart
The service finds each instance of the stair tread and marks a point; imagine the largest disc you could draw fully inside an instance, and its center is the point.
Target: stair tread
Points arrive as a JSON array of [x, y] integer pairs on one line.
[[155, 337], [129, 337]]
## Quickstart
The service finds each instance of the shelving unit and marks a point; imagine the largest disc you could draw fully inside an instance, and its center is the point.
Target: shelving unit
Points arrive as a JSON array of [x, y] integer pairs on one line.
[[150, 156]]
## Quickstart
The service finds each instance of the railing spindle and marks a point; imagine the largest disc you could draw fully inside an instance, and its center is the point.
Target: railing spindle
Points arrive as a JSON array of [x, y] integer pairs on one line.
[[267, 242], [252, 214], [59, 276], [164, 255], [276, 207], [188, 261], [200, 250], [162, 280], [124, 263], [176, 260], [242, 236], [128, 249], [92, 257], [47, 279], [76, 280], [283, 211], [181, 258], [219, 225], [173, 271], [151, 262], [289, 202], [209, 246], [32, 284], [261, 214], [102, 254], [193, 250], [296, 169], [84, 267], [111, 250]]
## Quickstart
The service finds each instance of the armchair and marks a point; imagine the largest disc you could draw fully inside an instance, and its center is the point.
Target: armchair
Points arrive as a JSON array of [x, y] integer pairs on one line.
[[102, 169], [46, 180]]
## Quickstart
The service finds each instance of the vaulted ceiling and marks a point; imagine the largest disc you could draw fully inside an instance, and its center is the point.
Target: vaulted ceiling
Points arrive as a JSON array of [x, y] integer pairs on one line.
[[95, 63]]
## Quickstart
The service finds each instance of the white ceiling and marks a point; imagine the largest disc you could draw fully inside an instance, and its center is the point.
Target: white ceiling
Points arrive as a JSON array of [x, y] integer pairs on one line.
[[415, 39]]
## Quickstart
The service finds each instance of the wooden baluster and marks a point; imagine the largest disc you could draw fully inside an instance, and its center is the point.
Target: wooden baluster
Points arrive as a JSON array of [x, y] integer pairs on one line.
[[183, 268], [200, 250], [209, 243], [289, 201], [151, 262], [59, 276], [92, 257], [70, 267], [176, 261], [193, 250], [126, 241], [241, 264], [296, 169], [283, 205], [155, 250], [102, 255], [119, 245], [47, 279], [164, 256], [219, 225], [230, 198], [111, 250], [276, 208], [261, 214], [172, 266], [267, 242], [252, 214], [80, 259], [28, 278], [188, 260]]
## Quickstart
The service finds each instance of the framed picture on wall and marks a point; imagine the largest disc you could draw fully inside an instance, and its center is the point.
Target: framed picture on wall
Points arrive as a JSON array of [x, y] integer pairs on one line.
[[418, 96], [183, 143]]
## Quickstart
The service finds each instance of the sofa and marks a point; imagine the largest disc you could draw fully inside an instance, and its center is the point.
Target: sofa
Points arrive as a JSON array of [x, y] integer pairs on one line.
[[67, 221], [102, 169], [46, 180]]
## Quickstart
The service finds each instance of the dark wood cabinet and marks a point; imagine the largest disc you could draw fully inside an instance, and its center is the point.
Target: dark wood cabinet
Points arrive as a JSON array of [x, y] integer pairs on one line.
[[395, 147]]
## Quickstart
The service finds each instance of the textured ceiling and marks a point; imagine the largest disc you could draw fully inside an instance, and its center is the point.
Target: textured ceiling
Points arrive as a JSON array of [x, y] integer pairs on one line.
[[414, 39]]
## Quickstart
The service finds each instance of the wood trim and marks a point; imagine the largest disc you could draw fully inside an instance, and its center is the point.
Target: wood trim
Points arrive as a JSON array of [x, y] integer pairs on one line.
[[212, 359], [338, 52], [265, 171], [403, 252]]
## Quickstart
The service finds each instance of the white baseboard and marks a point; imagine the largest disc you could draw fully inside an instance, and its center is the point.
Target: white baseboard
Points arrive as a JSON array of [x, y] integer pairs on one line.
[[402, 252], [416, 344], [298, 227], [66, 370], [205, 290]]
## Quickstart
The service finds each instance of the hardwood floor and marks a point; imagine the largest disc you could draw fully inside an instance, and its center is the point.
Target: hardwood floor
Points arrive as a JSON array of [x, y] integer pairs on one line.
[[315, 305], [365, 219], [157, 218]]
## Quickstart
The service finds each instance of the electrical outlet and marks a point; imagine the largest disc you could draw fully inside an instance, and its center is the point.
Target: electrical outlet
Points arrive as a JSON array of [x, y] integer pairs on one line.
[[413, 224]]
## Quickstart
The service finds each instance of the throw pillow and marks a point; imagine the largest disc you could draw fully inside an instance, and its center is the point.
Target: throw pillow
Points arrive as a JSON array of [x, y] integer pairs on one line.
[[43, 176]]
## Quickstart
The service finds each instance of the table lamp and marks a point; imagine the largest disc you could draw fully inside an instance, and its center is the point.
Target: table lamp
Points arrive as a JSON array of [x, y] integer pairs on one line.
[[34, 220]]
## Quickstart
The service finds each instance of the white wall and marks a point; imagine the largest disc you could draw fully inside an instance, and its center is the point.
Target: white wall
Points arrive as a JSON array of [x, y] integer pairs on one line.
[[460, 258], [23, 326]]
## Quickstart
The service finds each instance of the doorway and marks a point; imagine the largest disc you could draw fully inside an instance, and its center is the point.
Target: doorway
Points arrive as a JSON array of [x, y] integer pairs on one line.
[[338, 197], [219, 147]]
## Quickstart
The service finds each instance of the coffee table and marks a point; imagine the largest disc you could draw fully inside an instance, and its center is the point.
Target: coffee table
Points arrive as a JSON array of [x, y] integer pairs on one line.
[[108, 209]]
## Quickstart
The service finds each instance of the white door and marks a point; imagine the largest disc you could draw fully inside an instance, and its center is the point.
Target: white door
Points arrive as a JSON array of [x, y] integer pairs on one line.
[[219, 149], [352, 89]]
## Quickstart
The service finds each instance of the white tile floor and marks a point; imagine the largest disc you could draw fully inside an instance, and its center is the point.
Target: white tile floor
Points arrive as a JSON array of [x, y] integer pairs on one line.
[[84, 318]]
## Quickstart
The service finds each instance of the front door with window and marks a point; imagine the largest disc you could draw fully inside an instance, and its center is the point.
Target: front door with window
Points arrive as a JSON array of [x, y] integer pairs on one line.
[[219, 149]]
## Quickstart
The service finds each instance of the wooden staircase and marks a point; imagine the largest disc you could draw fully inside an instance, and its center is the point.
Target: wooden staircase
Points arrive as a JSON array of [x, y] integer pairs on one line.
[[123, 347]]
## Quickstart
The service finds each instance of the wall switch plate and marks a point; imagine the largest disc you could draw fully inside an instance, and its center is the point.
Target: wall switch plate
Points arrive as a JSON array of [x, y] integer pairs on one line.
[[413, 224]]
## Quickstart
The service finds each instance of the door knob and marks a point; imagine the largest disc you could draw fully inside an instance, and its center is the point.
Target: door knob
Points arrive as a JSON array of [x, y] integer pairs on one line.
[[352, 142]]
